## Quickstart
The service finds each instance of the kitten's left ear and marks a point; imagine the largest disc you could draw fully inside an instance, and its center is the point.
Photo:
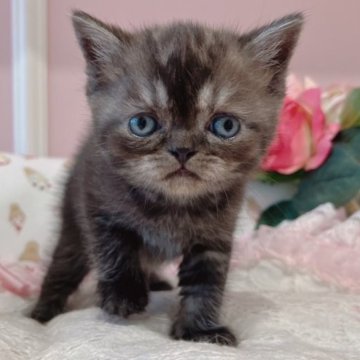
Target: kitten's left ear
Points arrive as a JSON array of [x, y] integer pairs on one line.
[[272, 46]]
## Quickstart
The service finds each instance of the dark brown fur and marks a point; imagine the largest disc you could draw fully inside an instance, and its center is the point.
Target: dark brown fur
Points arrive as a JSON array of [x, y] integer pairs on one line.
[[125, 208]]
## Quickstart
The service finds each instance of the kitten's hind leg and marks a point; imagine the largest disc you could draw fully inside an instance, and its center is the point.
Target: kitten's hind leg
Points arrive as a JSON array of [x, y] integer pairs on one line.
[[67, 269]]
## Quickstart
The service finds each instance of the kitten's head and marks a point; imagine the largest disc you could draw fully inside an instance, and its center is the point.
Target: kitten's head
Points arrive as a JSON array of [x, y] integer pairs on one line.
[[184, 109]]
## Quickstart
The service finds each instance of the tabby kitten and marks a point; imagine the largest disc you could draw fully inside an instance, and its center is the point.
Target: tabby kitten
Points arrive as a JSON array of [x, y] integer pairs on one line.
[[182, 114]]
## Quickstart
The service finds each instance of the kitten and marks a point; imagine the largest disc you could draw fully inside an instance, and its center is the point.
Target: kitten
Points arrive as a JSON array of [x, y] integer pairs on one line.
[[181, 116]]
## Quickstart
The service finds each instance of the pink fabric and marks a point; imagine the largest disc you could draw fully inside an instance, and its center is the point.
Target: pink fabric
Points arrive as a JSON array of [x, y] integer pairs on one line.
[[322, 243], [23, 278]]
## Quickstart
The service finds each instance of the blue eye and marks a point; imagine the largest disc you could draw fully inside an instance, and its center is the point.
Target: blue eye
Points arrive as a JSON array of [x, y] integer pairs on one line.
[[225, 126], [143, 125]]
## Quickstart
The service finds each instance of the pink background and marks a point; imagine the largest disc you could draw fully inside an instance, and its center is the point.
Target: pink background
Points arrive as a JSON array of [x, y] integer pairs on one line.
[[329, 49]]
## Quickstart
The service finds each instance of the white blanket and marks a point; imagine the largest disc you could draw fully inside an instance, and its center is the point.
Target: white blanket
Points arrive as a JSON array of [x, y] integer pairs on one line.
[[302, 321]]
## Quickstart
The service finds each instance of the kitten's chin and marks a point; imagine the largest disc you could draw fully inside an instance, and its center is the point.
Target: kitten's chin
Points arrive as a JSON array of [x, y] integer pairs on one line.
[[182, 174], [184, 187]]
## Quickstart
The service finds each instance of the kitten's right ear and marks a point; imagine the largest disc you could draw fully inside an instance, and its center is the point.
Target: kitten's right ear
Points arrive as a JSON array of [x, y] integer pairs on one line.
[[101, 44], [272, 47]]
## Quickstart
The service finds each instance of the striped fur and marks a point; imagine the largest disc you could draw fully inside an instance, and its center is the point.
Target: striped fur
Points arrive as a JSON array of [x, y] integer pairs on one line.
[[123, 212]]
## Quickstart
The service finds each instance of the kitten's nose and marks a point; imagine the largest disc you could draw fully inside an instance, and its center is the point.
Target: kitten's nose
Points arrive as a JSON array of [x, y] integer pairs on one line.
[[182, 154]]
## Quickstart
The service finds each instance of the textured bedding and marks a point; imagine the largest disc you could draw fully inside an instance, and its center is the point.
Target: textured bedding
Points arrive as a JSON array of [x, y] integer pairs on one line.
[[293, 293], [302, 321]]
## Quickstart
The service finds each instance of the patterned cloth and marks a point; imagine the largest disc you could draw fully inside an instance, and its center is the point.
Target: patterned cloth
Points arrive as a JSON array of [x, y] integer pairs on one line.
[[29, 193]]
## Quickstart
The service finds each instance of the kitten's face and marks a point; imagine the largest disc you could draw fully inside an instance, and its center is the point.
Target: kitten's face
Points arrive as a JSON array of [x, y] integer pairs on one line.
[[184, 110]]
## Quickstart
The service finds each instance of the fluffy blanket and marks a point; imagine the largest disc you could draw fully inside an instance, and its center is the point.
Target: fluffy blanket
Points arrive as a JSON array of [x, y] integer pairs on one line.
[[272, 325], [293, 293]]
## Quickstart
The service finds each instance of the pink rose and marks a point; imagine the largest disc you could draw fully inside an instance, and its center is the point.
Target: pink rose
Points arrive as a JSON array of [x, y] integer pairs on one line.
[[304, 138]]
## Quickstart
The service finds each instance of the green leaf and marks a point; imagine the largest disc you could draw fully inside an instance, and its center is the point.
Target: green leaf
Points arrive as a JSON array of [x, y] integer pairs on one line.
[[350, 115], [336, 181], [350, 139], [278, 212], [272, 177]]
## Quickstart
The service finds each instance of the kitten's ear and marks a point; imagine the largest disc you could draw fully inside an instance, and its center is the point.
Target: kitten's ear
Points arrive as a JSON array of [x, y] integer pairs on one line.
[[100, 43], [272, 46]]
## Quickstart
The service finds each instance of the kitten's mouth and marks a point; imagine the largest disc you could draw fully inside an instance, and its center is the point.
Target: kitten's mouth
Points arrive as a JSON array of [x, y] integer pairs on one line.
[[182, 172]]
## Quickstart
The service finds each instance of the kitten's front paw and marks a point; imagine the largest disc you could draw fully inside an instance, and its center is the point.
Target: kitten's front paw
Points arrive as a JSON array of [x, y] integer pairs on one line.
[[124, 302], [44, 312], [220, 335]]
